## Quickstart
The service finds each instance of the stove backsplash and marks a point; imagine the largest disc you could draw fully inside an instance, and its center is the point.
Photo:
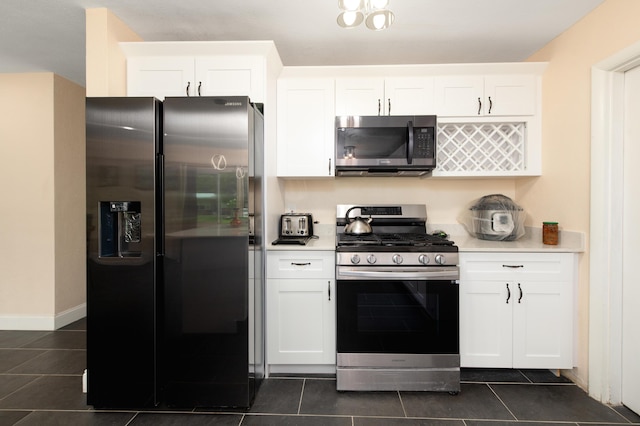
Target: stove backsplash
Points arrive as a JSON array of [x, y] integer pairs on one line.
[[445, 199]]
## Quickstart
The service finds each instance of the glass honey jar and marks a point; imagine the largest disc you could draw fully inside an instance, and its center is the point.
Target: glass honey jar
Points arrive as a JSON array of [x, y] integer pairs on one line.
[[550, 233]]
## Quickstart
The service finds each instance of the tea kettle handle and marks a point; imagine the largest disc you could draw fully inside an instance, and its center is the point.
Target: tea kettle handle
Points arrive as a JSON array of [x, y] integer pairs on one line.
[[346, 215]]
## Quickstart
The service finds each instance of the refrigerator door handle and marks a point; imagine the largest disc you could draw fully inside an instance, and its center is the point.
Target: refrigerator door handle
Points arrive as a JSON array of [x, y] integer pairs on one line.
[[160, 205]]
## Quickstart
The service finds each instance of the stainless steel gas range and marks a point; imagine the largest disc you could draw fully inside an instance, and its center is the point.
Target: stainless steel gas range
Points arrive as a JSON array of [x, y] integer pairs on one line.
[[397, 301]]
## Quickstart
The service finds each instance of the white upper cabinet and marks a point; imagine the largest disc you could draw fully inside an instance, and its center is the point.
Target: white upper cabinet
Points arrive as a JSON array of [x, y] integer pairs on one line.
[[233, 68], [230, 76], [160, 76], [384, 96], [491, 95], [360, 96], [489, 115], [306, 117], [409, 96], [196, 76]]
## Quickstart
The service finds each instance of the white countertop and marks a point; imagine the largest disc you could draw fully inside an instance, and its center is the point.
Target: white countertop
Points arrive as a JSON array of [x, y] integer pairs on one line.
[[569, 241], [326, 240]]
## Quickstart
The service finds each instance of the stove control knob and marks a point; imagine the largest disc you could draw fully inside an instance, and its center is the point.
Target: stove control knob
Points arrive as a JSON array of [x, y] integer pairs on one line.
[[424, 259], [355, 259], [397, 259], [371, 259], [440, 259]]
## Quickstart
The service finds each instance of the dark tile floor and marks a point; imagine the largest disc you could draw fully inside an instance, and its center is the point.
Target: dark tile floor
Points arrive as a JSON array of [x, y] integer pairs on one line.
[[41, 384]]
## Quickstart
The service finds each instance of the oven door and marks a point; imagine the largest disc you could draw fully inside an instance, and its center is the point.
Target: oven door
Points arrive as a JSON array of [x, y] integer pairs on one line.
[[397, 316]]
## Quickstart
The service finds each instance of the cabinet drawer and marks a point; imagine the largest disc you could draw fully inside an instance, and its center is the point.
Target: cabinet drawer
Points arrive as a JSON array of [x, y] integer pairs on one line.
[[307, 264], [512, 266]]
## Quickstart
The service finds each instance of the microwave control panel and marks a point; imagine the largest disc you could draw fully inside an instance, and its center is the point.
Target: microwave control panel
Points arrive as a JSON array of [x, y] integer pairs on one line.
[[424, 142]]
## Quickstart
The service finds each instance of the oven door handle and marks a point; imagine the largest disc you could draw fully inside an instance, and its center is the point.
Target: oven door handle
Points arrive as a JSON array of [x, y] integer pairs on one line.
[[400, 275]]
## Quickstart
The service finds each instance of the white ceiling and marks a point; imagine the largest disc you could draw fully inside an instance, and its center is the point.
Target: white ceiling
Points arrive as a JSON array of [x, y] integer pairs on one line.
[[49, 35]]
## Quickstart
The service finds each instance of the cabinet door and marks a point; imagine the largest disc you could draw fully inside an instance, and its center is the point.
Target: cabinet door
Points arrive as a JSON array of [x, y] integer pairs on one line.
[[301, 321], [510, 95], [485, 324], [160, 76], [543, 325], [459, 96], [409, 96], [360, 96], [306, 123], [495, 95], [230, 76]]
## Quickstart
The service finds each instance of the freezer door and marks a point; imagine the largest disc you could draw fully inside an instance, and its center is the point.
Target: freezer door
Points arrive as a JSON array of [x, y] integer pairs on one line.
[[206, 210], [122, 141]]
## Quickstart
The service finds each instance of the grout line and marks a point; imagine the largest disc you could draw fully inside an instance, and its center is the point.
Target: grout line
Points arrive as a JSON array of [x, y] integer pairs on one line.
[[304, 382], [502, 402], [525, 376], [402, 404]]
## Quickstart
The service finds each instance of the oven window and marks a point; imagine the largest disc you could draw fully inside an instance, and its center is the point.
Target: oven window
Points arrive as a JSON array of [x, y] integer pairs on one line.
[[413, 317]]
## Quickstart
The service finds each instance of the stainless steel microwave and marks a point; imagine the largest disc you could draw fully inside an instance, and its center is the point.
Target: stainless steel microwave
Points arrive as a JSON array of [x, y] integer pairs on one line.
[[385, 145]]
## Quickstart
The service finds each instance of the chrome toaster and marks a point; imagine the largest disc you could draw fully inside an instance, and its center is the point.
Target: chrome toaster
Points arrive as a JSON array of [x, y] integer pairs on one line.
[[296, 225]]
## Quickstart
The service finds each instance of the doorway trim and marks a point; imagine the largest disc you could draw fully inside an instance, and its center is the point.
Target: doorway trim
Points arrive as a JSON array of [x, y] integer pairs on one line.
[[605, 241]]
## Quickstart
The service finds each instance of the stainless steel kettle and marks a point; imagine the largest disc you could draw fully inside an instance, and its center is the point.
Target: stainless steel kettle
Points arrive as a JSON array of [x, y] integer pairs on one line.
[[357, 226]]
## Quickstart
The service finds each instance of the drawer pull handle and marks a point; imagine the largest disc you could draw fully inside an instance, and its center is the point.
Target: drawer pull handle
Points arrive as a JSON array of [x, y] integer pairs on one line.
[[520, 288], [513, 266], [329, 290], [301, 264], [508, 294]]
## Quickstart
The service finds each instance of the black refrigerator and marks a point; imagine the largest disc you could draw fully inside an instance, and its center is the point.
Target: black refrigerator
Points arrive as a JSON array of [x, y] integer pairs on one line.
[[175, 290]]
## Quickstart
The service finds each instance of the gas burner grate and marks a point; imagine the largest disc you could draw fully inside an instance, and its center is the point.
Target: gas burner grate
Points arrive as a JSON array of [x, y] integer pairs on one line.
[[412, 240]]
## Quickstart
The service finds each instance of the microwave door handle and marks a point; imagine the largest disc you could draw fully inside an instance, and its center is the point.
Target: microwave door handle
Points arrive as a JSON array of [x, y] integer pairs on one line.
[[410, 148]]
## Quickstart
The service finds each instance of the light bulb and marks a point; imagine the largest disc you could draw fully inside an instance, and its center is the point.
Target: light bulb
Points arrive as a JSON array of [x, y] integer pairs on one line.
[[350, 19], [380, 20], [350, 5]]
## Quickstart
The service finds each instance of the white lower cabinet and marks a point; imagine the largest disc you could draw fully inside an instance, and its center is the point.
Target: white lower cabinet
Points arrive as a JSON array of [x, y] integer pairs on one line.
[[517, 310], [300, 309]]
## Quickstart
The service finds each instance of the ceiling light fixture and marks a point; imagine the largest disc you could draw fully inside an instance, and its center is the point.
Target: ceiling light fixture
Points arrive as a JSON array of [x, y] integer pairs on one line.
[[374, 12]]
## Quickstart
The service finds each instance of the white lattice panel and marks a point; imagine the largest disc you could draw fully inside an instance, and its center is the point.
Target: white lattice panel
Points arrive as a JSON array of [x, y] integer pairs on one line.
[[481, 147]]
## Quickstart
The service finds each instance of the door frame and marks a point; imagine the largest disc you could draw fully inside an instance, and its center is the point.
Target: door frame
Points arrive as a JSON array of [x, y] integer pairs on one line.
[[605, 241]]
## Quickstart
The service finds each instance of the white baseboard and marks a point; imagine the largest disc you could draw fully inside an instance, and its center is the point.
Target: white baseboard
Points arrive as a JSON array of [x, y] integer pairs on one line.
[[44, 323]]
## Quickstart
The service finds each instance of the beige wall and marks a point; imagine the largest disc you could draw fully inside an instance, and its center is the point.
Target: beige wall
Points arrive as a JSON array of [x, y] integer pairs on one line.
[[41, 185], [69, 189], [106, 64], [445, 199], [563, 191], [27, 191]]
